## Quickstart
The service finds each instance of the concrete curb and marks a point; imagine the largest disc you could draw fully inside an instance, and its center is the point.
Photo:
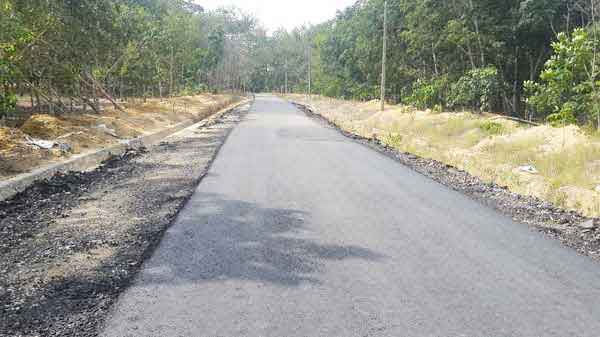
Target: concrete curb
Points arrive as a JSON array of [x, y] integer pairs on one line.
[[91, 160]]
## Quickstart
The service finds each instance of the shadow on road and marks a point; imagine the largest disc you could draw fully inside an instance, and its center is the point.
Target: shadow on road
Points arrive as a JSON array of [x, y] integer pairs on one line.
[[216, 239]]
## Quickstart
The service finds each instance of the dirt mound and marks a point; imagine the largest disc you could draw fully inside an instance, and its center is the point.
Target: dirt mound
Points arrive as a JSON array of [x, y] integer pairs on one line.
[[13, 151], [44, 126], [122, 128], [9, 138], [558, 139], [85, 132]]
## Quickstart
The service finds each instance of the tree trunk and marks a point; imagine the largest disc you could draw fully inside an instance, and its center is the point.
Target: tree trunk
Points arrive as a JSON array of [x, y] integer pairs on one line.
[[435, 62], [171, 73], [479, 42]]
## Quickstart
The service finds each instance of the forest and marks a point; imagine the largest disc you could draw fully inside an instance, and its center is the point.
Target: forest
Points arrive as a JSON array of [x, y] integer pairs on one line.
[[534, 59], [67, 55]]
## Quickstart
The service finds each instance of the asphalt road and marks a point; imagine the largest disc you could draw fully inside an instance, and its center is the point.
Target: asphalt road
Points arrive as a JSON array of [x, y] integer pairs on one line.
[[298, 231]]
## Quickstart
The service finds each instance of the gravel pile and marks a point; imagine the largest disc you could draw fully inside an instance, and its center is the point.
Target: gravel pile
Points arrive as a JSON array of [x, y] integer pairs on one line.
[[570, 227], [72, 243]]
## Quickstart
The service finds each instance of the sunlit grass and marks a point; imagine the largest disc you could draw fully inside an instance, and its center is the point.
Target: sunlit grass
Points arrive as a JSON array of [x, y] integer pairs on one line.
[[567, 160]]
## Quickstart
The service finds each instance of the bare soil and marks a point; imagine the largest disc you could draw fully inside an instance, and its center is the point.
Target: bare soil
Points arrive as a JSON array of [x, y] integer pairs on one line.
[[86, 131], [71, 244]]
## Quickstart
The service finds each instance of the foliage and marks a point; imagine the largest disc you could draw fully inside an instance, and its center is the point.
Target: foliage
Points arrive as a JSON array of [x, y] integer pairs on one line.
[[50, 49], [565, 92], [492, 128], [477, 89], [565, 116], [13, 36], [428, 94], [458, 40]]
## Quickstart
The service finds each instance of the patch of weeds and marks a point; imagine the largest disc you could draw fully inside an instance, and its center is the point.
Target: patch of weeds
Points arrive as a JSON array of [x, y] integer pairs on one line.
[[492, 128], [555, 195], [514, 152], [393, 139], [568, 167]]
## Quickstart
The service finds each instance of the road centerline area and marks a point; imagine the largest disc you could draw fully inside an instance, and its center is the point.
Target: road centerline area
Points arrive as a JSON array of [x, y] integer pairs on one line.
[[298, 231]]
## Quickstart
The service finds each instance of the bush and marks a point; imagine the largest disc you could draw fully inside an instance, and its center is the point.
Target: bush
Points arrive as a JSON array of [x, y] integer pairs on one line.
[[565, 92], [492, 128], [428, 94], [565, 116], [477, 89]]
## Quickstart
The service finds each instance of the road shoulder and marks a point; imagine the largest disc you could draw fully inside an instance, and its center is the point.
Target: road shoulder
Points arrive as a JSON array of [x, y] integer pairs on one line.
[[570, 227], [73, 243]]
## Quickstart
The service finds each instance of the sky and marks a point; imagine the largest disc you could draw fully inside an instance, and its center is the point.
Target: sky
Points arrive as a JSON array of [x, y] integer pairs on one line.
[[274, 14]]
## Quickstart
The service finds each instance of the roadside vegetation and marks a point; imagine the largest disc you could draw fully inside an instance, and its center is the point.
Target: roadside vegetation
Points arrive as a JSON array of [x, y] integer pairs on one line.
[[454, 69], [66, 56], [557, 164], [533, 59], [81, 75]]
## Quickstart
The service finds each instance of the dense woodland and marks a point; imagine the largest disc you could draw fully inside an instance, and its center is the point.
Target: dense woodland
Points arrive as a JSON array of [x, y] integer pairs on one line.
[[536, 59], [65, 54]]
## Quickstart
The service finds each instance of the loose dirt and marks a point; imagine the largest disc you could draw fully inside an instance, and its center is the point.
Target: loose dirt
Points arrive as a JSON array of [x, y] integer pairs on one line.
[[71, 244], [87, 131]]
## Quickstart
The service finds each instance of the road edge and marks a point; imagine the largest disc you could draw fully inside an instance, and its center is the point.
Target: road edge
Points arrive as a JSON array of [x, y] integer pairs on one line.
[[92, 160], [568, 226]]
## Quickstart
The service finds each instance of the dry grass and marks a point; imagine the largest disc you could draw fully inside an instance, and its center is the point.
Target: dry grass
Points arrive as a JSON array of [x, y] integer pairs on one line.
[[567, 159]]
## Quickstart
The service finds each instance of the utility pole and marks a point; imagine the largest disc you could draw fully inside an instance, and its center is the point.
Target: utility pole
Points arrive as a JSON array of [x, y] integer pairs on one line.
[[384, 56], [286, 78], [309, 70]]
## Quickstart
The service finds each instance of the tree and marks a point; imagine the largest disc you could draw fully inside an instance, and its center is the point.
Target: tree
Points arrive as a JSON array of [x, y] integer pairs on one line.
[[565, 92]]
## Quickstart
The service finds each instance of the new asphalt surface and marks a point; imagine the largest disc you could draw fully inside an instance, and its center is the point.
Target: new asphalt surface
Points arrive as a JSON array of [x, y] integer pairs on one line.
[[299, 231]]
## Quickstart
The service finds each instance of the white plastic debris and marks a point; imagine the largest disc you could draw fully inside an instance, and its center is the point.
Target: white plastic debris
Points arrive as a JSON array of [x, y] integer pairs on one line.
[[590, 224], [529, 169], [107, 130], [597, 188], [43, 144], [64, 147]]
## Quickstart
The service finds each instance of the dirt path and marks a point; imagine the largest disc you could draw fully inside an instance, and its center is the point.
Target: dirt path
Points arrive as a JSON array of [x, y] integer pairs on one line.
[[70, 245]]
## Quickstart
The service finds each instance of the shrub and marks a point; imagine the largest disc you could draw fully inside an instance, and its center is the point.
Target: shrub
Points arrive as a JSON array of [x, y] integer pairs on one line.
[[492, 128], [428, 93], [477, 89], [565, 92], [565, 116]]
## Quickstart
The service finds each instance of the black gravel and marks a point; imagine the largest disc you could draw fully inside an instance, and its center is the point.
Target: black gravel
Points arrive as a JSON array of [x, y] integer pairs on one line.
[[558, 223], [72, 243]]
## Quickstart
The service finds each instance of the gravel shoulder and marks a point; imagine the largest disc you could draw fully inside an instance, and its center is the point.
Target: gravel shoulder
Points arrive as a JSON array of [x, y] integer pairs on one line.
[[570, 227], [71, 244]]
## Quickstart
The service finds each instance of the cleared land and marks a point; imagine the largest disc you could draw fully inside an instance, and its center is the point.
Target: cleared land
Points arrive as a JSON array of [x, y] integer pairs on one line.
[[79, 133], [560, 165], [71, 244]]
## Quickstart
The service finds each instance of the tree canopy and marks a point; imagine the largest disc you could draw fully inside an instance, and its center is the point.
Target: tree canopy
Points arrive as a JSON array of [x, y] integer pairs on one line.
[[446, 54], [477, 54], [53, 50]]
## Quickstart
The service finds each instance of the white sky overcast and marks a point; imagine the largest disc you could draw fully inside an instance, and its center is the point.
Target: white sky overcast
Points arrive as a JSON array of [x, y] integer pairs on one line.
[[288, 14]]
